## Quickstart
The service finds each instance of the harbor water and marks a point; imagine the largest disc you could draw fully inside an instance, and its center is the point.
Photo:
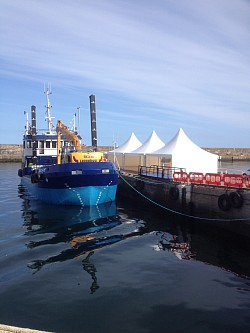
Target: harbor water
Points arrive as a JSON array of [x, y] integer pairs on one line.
[[118, 268]]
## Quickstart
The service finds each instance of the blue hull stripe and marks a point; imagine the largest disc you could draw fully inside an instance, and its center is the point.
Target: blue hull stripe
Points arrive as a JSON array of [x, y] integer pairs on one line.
[[84, 196]]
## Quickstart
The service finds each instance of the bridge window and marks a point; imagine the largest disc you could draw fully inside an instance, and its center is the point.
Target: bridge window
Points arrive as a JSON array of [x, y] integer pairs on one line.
[[41, 144]]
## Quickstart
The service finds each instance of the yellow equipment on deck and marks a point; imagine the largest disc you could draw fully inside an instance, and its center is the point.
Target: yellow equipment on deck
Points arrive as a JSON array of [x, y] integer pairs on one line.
[[76, 155]]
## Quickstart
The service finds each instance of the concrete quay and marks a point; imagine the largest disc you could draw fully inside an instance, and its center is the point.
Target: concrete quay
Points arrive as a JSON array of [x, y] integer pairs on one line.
[[13, 153]]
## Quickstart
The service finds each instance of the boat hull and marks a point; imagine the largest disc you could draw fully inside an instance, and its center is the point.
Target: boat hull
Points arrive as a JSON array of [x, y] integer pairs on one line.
[[84, 184]]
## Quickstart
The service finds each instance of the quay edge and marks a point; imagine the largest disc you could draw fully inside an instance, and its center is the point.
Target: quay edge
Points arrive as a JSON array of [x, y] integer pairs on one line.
[[14, 329], [194, 202]]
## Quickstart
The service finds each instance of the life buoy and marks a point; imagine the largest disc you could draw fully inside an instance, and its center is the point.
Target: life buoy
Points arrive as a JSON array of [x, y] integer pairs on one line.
[[174, 192], [224, 202], [236, 199]]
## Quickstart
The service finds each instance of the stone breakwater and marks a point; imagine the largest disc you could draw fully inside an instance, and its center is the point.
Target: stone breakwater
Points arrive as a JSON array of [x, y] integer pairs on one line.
[[231, 154], [13, 153]]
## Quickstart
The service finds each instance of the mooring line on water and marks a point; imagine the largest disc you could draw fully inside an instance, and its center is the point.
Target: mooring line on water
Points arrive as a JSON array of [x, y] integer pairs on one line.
[[180, 213]]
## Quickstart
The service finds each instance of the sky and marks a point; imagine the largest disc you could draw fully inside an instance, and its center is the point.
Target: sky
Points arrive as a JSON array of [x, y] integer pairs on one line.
[[152, 65]]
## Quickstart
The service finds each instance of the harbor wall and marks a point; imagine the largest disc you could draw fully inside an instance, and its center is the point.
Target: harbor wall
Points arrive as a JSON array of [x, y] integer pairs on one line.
[[231, 154], [13, 153]]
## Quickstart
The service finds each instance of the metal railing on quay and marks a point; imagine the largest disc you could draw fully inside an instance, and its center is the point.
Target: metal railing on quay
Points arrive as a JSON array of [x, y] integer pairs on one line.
[[159, 172]]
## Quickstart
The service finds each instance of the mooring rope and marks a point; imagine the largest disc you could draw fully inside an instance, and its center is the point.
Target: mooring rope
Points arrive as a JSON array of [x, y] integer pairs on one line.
[[175, 211]]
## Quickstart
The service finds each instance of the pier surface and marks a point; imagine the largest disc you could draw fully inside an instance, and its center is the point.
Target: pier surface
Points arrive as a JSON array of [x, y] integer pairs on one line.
[[13, 153]]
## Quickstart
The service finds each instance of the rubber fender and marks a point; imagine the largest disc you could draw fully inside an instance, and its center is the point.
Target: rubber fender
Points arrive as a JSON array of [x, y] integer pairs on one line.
[[236, 199], [20, 172], [224, 202], [174, 192]]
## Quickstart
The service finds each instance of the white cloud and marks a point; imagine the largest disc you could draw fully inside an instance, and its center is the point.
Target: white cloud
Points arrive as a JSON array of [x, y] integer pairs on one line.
[[180, 59]]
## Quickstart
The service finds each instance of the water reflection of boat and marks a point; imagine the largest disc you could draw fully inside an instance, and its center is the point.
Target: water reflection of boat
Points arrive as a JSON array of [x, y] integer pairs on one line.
[[67, 224], [80, 227], [42, 218], [78, 232], [85, 229]]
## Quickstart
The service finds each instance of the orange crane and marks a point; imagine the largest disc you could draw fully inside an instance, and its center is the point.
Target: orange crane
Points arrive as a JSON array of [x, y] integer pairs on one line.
[[70, 136], [77, 155]]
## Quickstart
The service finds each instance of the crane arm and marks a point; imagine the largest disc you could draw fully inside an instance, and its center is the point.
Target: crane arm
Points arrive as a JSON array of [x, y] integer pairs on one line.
[[71, 137]]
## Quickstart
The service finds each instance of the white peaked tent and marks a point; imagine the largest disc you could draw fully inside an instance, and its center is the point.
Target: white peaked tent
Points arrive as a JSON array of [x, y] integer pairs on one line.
[[186, 154], [131, 144], [150, 145], [139, 156]]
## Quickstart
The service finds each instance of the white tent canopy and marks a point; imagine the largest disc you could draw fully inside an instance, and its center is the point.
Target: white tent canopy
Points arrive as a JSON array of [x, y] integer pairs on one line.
[[139, 155], [131, 144], [186, 154], [118, 154], [150, 145]]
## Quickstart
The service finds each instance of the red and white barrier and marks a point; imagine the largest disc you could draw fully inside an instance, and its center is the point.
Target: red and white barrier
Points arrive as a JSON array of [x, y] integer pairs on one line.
[[219, 179]]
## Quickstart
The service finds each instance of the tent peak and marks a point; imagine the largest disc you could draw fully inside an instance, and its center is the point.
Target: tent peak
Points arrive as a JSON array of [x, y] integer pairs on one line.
[[130, 144], [151, 144]]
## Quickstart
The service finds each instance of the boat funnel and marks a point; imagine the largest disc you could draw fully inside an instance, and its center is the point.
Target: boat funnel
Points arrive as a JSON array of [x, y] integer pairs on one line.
[[93, 122]]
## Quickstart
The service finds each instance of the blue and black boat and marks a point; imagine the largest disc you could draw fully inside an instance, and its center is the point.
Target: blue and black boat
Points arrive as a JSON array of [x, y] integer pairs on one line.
[[56, 170]]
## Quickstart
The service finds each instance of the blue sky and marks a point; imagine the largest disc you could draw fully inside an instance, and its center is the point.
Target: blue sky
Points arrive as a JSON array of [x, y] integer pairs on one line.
[[152, 65]]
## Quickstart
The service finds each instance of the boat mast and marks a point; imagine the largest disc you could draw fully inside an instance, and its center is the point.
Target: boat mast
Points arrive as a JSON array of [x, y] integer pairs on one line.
[[27, 123], [48, 108], [74, 123]]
